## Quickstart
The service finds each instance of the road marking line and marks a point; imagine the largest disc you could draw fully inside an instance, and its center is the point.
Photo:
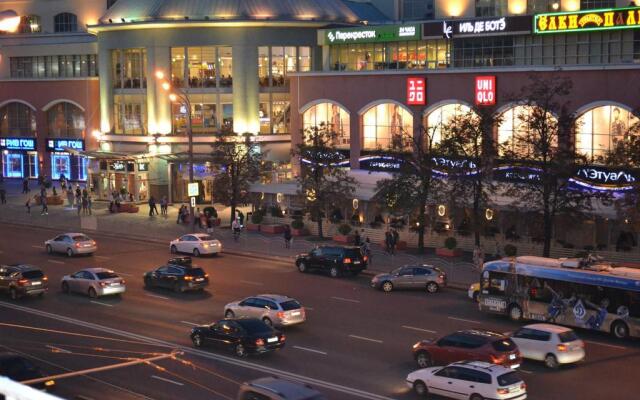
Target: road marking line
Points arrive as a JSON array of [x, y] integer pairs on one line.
[[102, 257], [156, 296], [58, 349], [101, 303], [123, 274], [308, 308], [37, 247], [413, 328], [606, 345], [343, 299], [166, 380], [365, 338], [190, 323], [310, 350], [252, 283], [55, 262], [465, 320], [525, 371]]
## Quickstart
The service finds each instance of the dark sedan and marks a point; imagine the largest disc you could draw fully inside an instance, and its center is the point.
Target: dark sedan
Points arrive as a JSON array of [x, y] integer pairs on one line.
[[242, 336], [177, 277], [20, 369]]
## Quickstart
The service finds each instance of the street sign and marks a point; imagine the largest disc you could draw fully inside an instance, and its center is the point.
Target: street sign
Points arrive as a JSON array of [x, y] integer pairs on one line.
[[193, 202], [193, 189]]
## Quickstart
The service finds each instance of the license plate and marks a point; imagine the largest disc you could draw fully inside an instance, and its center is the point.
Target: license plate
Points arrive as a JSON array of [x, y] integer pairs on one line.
[[272, 339], [512, 356], [35, 283], [295, 313], [199, 279]]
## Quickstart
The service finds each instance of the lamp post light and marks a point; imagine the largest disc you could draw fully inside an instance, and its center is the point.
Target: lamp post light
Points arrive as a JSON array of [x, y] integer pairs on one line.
[[177, 95]]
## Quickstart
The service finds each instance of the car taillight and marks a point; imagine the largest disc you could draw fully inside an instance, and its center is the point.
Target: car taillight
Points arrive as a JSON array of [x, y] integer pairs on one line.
[[260, 342], [77, 244], [93, 242], [188, 278], [282, 338], [122, 282], [206, 275], [280, 314], [365, 258], [562, 347], [523, 386], [44, 278], [347, 261], [497, 359], [23, 282], [503, 391], [103, 284]]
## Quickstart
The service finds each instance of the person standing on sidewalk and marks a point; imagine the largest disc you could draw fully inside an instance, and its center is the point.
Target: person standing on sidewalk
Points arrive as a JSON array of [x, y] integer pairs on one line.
[[357, 240], [152, 206], [25, 186], [28, 204], [366, 250], [236, 228], [89, 204], [43, 201], [78, 198], [287, 237], [395, 241], [3, 192], [387, 241], [164, 205]]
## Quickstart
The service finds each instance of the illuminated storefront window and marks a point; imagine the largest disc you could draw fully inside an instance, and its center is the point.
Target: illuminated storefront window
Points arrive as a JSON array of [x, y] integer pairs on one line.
[[387, 126], [334, 117], [70, 166], [418, 54], [129, 68], [130, 114], [204, 117], [439, 117], [65, 120], [225, 61], [275, 63], [601, 129], [202, 67], [513, 132], [18, 164]]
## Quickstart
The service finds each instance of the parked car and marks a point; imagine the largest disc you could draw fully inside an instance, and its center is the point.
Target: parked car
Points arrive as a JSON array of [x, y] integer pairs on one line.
[[552, 344], [473, 380], [178, 275], [411, 277], [337, 260], [474, 291], [23, 280], [71, 244], [243, 336], [272, 309], [94, 282], [473, 345], [19, 368], [196, 244], [272, 388]]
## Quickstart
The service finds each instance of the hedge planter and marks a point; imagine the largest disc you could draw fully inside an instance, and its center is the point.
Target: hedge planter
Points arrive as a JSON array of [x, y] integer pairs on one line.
[[444, 252], [128, 208], [343, 238], [51, 200], [271, 228], [300, 232], [253, 227]]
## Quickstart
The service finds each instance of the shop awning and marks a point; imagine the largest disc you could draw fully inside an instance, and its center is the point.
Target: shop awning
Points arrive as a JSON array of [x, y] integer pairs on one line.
[[104, 155], [184, 157]]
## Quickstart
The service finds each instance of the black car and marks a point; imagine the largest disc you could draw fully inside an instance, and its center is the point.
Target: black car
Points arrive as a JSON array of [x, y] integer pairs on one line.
[[337, 260], [23, 280], [243, 336], [19, 369], [178, 275]]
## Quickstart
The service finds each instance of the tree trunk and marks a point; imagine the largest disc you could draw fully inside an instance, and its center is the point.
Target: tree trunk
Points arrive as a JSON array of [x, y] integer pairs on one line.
[[421, 228], [319, 219], [476, 213], [548, 233], [233, 211]]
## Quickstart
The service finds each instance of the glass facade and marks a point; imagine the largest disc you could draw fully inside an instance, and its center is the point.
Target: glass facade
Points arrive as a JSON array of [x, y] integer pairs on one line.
[[71, 166], [45, 67], [275, 63], [130, 114], [202, 67], [30, 24], [332, 116], [65, 22], [430, 54], [129, 68], [65, 120], [17, 119], [387, 126], [440, 117], [601, 129], [20, 164], [513, 132]]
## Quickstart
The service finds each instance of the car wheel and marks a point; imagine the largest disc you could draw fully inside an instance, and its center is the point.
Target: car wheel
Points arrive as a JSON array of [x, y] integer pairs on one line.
[[65, 287], [13, 293], [197, 340], [515, 313], [620, 330], [196, 253], [387, 286], [49, 249], [302, 267], [92, 293], [476, 397], [174, 249], [423, 359], [432, 287], [69, 252], [240, 351], [229, 314], [267, 321], [550, 361], [334, 272], [420, 388], [147, 282]]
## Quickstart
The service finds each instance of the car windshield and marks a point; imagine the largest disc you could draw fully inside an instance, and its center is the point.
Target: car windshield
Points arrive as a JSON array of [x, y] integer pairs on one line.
[[32, 274], [106, 275], [254, 326], [194, 272], [568, 336], [80, 238], [206, 238], [353, 253], [290, 305], [503, 345], [509, 378]]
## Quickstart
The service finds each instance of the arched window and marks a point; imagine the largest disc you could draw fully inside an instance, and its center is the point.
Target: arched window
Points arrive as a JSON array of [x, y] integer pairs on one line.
[[334, 117], [65, 22], [29, 24], [601, 129], [513, 132], [17, 119], [65, 120], [436, 119], [387, 126]]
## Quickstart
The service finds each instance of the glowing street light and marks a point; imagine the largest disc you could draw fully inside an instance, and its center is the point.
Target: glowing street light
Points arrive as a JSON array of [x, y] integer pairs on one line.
[[160, 75], [166, 86], [9, 21]]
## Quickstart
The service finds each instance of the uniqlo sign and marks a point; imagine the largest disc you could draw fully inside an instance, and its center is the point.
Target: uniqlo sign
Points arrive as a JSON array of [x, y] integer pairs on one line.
[[485, 90], [416, 91]]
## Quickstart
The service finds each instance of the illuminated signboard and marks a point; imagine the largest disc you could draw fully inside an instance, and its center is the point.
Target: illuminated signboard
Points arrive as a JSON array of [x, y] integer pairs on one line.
[[118, 166], [381, 163], [372, 34], [12, 143], [485, 90], [450, 29], [588, 20], [416, 91], [64, 144]]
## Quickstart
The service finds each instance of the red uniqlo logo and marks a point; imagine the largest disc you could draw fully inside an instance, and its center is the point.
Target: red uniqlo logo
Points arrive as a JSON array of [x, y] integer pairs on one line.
[[485, 90], [416, 91]]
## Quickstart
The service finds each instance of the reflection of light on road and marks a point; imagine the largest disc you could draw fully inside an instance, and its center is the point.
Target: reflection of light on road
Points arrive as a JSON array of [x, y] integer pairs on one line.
[[399, 389]]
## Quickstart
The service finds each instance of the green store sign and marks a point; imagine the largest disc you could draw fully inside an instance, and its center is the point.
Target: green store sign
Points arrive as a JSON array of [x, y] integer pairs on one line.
[[372, 34]]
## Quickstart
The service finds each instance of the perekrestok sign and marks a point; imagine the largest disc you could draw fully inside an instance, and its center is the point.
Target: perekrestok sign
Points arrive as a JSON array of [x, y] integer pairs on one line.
[[372, 34], [588, 20]]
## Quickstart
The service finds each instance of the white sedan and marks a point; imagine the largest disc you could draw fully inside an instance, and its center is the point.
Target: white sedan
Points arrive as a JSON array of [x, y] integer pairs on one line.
[[553, 344], [196, 244], [71, 244]]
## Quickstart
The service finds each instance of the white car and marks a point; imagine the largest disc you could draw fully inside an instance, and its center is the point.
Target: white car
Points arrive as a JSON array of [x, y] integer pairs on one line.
[[94, 282], [469, 380], [71, 244], [553, 344], [196, 244]]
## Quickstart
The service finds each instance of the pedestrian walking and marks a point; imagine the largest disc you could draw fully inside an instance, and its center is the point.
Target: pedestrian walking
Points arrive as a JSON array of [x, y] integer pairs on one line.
[[90, 204], [153, 210], [85, 205], [3, 191], [180, 218], [164, 205], [396, 239], [43, 201], [387, 241], [366, 250], [78, 198], [209, 222], [236, 228], [478, 258], [70, 196], [25, 186], [28, 204], [204, 218], [287, 237], [79, 205]]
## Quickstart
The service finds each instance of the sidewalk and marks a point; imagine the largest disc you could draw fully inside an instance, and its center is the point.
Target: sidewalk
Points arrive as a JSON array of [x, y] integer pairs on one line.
[[163, 229]]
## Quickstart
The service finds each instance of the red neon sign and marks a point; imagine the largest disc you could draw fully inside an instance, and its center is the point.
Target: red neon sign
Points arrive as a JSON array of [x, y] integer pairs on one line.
[[416, 91], [485, 90]]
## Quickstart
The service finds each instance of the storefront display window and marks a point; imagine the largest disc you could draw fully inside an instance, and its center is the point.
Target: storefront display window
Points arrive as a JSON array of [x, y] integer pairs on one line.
[[225, 61], [227, 117], [513, 132], [13, 165], [204, 118], [177, 66], [334, 117], [396, 55], [129, 68], [387, 126], [130, 114], [440, 117], [17, 119], [65, 120], [276, 63], [601, 129], [60, 165], [281, 113]]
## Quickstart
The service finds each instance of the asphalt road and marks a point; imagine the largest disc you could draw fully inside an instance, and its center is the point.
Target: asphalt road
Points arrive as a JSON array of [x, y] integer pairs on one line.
[[355, 344]]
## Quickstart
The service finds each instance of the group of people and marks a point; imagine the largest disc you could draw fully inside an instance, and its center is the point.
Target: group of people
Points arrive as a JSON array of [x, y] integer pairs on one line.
[[164, 206], [391, 240]]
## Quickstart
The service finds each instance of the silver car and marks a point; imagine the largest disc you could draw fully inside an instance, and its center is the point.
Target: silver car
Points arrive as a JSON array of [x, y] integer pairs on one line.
[[71, 244], [94, 282], [272, 309], [411, 277]]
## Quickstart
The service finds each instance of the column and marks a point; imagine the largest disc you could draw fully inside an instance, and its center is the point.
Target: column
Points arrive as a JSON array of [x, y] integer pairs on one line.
[[355, 124], [106, 89], [159, 59], [152, 86], [245, 89]]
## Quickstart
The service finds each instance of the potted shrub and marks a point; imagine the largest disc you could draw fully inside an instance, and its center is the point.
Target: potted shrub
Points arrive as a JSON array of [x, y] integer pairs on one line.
[[276, 212], [256, 220], [449, 249], [343, 235], [510, 250], [297, 228]]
